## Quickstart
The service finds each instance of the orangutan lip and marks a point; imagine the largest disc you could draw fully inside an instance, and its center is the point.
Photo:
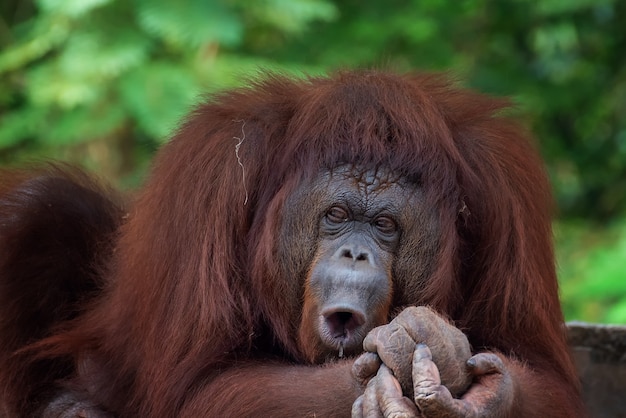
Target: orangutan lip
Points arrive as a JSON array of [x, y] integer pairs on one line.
[[341, 328], [341, 322], [348, 342]]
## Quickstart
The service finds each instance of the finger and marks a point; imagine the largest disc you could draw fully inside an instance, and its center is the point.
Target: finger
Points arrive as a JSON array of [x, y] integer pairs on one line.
[[357, 408], [395, 348], [431, 397], [425, 372], [369, 404], [390, 399], [415, 319], [365, 367], [450, 347], [493, 391], [385, 336], [485, 363]]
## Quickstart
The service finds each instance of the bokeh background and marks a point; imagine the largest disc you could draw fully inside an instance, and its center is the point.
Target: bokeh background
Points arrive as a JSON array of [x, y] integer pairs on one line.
[[102, 83]]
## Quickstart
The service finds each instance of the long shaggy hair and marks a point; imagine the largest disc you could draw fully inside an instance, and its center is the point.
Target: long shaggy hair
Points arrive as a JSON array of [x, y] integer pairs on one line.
[[193, 284]]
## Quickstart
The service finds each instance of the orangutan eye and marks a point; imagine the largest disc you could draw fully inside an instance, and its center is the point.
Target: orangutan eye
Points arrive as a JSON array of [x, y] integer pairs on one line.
[[337, 215], [385, 224]]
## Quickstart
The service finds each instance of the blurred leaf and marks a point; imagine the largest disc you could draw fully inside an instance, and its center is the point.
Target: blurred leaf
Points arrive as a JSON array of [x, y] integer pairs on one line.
[[592, 271], [73, 8], [50, 85], [289, 15], [616, 314], [559, 7], [47, 34], [98, 56], [83, 124], [190, 23], [158, 96], [20, 124]]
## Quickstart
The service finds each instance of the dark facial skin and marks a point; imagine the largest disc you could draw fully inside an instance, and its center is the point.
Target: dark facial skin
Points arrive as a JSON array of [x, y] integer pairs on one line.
[[358, 236], [359, 220]]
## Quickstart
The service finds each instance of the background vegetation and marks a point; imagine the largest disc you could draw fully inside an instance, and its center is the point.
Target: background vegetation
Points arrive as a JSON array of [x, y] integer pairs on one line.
[[102, 83]]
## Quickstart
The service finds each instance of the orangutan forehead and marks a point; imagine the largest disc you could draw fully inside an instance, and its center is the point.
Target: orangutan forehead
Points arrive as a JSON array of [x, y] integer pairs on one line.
[[369, 178], [363, 186]]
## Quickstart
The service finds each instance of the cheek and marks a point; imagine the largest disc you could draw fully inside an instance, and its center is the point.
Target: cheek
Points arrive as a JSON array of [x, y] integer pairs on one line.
[[309, 341], [417, 258]]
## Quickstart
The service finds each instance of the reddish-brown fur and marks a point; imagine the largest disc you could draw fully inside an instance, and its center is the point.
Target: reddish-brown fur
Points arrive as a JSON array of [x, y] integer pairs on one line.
[[197, 316]]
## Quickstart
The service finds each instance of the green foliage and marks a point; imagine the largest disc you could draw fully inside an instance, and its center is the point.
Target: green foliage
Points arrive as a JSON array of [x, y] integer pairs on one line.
[[190, 24], [592, 271], [291, 17], [70, 8], [157, 97], [76, 72]]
